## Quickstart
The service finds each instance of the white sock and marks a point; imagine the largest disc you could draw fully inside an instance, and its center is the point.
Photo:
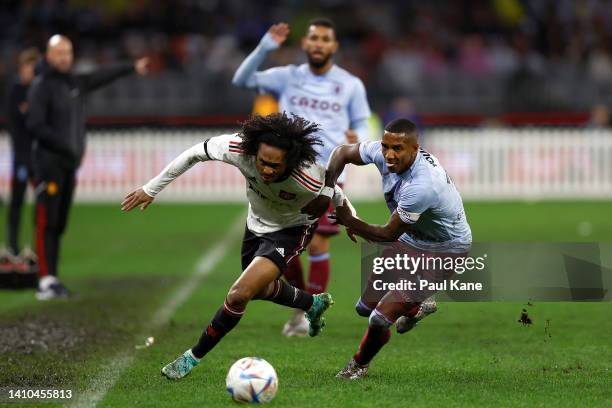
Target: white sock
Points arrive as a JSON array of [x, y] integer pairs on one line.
[[47, 281], [192, 356]]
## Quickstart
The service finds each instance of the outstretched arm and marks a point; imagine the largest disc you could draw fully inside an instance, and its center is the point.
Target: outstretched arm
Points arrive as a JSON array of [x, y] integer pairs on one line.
[[414, 200], [146, 194], [106, 75], [339, 158], [389, 232], [245, 74]]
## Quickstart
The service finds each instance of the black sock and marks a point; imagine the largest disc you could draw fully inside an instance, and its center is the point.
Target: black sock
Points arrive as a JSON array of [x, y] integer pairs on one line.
[[224, 320], [287, 295]]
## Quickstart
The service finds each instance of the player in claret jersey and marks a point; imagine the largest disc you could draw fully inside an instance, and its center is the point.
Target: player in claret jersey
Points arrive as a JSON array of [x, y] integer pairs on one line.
[[426, 214], [276, 155], [321, 92]]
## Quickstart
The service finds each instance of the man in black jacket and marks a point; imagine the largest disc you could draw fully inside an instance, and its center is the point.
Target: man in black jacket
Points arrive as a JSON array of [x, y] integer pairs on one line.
[[56, 120], [21, 143]]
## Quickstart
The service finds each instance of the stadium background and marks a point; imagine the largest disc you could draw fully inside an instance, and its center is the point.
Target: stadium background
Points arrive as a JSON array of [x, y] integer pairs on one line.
[[513, 96]]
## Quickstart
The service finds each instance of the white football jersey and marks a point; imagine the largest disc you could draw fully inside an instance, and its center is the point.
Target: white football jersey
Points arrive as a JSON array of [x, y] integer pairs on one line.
[[272, 206]]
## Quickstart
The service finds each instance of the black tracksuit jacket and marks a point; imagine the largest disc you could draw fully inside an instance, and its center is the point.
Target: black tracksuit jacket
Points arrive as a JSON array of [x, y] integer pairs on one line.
[[56, 118]]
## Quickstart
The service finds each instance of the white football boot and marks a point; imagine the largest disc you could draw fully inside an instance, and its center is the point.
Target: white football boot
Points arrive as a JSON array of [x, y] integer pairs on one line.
[[297, 325], [407, 323]]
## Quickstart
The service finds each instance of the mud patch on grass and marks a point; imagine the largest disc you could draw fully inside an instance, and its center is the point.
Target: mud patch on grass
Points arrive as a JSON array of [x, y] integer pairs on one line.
[[32, 333], [50, 343]]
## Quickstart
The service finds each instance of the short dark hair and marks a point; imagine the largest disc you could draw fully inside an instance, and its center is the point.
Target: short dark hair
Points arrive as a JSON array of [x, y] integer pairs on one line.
[[28, 56], [322, 22], [404, 126], [294, 135]]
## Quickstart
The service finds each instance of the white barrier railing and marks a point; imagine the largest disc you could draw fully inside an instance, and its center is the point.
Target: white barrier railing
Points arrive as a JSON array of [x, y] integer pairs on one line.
[[484, 163], [527, 164]]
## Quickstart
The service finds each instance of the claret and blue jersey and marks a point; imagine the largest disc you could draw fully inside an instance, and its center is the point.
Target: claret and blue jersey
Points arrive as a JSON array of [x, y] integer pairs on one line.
[[423, 196], [335, 100]]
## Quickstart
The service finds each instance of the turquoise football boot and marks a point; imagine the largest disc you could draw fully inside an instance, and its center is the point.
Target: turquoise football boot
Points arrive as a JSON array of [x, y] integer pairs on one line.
[[314, 315], [180, 367]]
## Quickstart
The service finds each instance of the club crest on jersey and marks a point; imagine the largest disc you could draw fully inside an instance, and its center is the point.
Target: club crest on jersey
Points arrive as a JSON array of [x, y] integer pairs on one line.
[[286, 195]]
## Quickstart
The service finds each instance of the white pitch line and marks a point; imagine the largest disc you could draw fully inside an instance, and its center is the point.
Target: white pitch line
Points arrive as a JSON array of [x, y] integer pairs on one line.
[[110, 373]]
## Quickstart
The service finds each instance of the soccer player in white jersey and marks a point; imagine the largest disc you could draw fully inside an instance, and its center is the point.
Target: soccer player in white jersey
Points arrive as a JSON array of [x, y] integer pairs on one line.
[[276, 155], [426, 213], [321, 92]]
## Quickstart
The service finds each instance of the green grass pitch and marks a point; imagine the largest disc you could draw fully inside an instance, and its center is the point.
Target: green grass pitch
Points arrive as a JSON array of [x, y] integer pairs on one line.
[[124, 266]]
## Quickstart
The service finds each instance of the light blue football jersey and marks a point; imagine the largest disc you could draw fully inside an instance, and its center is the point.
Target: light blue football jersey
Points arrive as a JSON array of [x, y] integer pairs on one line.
[[426, 197], [334, 100]]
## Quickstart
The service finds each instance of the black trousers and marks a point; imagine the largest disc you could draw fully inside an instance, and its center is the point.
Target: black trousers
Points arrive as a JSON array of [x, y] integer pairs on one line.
[[22, 173], [54, 193]]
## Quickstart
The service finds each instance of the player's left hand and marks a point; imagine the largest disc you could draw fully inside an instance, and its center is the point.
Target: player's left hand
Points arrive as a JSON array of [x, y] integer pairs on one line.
[[136, 198], [333, 217], [343, 214], [351, 136], [316, 207], [141, 66]]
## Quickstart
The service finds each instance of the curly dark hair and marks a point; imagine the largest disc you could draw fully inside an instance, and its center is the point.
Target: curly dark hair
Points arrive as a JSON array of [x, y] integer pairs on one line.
[[294, 135]]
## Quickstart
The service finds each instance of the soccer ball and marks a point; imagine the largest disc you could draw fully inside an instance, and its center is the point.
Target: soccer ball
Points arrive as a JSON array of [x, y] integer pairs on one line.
[[252, 379]]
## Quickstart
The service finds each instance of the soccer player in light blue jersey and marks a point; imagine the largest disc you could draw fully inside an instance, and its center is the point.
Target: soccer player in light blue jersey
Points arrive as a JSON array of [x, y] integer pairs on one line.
[[321, 92], [426, 213]]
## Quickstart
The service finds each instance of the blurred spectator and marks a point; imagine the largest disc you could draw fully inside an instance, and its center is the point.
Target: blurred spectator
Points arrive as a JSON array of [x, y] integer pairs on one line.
[[474, 57], [600, 117], [21, 143], [402, 66], [447, 55], [401, 107]]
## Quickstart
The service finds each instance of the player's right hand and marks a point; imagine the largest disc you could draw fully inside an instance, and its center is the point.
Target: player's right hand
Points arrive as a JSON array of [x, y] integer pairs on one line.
[[136, 198], [279, 32]]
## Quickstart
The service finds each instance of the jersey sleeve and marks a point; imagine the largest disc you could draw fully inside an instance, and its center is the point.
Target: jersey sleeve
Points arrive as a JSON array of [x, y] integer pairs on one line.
[[225, 148], [174, 169], [273, 80], [414, 201], [358, 106], [310, 179], [370, 151]]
